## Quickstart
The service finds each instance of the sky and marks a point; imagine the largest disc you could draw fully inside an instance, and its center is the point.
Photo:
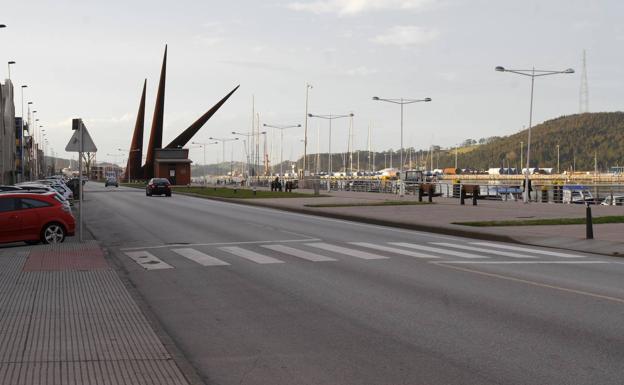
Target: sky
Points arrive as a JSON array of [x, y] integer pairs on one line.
[[89, 59]]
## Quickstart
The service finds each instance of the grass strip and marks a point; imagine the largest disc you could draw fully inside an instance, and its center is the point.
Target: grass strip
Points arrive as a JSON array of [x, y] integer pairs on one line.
[[384, 203], [544, 222]]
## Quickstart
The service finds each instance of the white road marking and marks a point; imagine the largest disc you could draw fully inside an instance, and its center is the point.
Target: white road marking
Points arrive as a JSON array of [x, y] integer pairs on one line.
[[438, 250], [218, 244], [482, 250], [521, 262], [535, 251], [299, 253], [199, 257], [345, 251], [148, 261], [393, 250], [250, 255]]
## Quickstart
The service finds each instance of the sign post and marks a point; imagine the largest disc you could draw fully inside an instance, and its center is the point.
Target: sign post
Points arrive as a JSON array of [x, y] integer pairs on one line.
[[80, 142]]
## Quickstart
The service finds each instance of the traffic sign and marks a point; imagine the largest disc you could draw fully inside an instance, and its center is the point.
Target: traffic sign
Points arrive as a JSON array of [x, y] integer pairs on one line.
[[80, 133]]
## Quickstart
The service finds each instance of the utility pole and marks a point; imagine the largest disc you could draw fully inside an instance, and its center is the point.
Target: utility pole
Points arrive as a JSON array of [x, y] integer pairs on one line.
[[558, 172], [584, 91]]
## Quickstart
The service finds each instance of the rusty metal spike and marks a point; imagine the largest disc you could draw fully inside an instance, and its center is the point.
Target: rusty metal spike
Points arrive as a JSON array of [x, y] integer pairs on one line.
[[186, 135], [135, 153], [156, 132]]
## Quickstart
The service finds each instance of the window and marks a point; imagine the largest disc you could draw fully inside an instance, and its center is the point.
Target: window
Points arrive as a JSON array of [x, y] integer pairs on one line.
[[7, 204], [27, 203]]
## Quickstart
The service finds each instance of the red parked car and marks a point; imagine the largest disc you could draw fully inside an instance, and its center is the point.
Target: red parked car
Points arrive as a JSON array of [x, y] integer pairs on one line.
[[34, 218]]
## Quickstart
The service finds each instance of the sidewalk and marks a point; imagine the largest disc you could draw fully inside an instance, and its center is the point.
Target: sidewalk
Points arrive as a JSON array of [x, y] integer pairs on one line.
[[440, 216], [67, 318]]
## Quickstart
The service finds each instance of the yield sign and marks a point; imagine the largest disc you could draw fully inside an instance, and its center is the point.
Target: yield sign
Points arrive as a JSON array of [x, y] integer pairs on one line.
[[74, 142]]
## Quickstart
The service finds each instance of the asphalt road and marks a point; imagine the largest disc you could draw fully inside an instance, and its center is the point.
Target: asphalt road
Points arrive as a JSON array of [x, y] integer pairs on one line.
[[257, 296]]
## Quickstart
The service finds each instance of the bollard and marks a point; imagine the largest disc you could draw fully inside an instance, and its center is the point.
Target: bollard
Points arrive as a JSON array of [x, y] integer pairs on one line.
[[462, 196], [254, 190], [589, 226], [474, 198], [430, 194], [420, 193]]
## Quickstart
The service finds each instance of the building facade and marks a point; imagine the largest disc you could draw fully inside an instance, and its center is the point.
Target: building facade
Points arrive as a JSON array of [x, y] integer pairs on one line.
[[7, 134]]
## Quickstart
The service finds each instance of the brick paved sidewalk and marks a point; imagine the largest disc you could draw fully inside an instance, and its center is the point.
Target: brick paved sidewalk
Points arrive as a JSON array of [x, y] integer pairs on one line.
[[67, 318]]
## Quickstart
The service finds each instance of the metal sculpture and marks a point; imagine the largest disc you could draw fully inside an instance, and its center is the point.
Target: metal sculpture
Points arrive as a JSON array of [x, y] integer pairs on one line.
[[156, 132], [186, 135], [135, 153]]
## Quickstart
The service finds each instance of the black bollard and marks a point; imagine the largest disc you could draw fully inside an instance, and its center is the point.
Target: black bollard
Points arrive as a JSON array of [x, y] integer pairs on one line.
[[589, 226], [420, 193], [474, 198], [430, 194], [462, 196]]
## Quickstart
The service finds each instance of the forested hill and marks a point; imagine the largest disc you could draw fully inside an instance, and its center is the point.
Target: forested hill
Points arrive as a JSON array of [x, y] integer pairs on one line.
[[579, 137]]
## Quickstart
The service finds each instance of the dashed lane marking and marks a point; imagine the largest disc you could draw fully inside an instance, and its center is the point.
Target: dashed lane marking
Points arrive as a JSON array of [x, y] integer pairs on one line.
[[250, 255], [199, 257], [345, 251], [454, 253], [393, 250], [313, 257], [148, 261], [519, 262], [482, 250]]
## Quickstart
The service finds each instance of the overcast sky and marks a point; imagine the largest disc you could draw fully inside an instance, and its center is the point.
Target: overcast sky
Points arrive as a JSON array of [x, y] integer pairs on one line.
[[88, 59]]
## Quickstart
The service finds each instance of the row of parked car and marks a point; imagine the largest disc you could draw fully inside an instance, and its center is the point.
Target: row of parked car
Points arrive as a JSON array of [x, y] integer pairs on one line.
[[36, 211]]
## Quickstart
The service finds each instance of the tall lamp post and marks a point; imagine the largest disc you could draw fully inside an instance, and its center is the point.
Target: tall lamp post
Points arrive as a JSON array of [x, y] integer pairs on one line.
[[305, 133], [532, 73], [9, 67], [401, 102], [282, 127], [204, 145], [223, 140], [330, 117]]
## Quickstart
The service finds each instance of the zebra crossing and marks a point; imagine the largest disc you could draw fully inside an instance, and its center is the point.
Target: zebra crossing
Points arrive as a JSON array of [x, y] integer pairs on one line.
[[274, 252]]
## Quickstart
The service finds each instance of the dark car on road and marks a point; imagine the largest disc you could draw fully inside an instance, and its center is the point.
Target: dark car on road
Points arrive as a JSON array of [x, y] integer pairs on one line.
[[158, 186], [111, 181], [34, 218]]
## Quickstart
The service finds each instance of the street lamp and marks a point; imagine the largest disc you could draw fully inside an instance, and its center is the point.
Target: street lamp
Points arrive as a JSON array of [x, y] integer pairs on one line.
[[282, 127], [204, 147], [9, 66], [401, 102], [532, 73], [330, 117], [223, 140], [305, 133]]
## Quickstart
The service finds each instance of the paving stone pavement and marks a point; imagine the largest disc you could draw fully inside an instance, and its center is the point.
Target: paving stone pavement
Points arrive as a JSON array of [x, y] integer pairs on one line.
[[67, 318]]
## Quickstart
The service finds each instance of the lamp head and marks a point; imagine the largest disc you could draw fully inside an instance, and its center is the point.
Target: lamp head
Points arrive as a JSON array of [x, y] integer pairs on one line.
[[310, 116], [427, 99], [298, 125], [12, 62], [375, 97], [352, 114], [24, 86], [30, 102], [500, 69], [569, 71], [2, 26]]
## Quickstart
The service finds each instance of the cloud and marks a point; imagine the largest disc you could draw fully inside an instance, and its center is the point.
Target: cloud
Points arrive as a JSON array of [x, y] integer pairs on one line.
[[354, 7], [361, 71], [406, 35]]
